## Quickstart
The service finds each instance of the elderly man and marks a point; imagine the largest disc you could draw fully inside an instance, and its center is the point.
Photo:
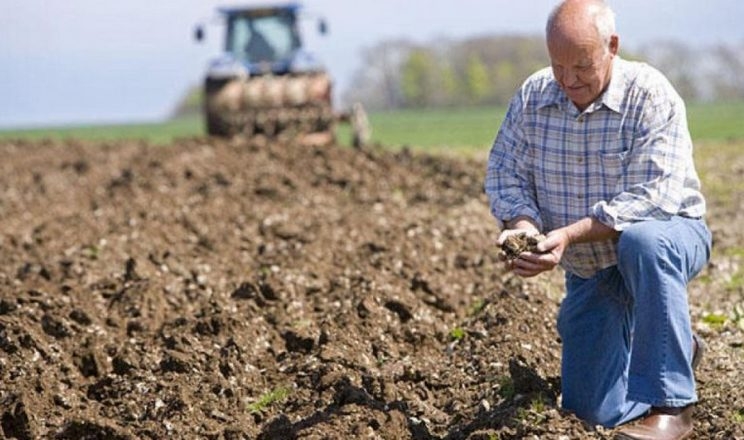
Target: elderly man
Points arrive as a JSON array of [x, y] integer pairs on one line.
[[595, 153]]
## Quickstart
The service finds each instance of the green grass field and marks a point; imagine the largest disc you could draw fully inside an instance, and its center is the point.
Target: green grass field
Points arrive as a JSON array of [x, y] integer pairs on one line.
[[476, 128], [158, 132], [462, 130]]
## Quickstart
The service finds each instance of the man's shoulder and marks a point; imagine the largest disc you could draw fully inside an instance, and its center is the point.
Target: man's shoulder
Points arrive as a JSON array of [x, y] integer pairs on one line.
[[540, 88], [540, 80], [636, 69], [641, 76]]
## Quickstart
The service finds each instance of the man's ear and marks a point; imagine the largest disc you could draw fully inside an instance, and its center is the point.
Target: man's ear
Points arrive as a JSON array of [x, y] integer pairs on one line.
[[614, 44]]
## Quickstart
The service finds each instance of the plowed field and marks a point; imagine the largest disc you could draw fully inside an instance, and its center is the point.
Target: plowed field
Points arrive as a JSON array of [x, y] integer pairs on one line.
[[236, 290]]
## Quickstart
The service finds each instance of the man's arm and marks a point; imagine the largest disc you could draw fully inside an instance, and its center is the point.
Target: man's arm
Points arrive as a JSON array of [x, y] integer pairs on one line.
[[509, 180], [586, 230], [658, 179]]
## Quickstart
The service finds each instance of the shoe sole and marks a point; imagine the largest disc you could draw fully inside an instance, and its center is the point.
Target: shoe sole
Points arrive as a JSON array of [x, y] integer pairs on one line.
[[621, 436], [698, 350]]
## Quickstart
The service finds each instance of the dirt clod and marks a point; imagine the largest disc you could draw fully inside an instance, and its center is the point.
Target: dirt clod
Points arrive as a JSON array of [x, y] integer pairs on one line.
[[515, 244]]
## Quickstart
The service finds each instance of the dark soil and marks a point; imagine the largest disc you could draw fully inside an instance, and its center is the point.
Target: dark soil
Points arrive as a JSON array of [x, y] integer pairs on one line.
[[234, 290], [514, 245]]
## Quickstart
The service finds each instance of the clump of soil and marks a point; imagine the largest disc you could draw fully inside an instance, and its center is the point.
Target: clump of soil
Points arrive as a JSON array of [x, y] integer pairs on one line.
[[239, 290], [520, 242]]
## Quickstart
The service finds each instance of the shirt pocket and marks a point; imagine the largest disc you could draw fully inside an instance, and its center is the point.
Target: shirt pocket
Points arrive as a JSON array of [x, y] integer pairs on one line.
[[612, 166]]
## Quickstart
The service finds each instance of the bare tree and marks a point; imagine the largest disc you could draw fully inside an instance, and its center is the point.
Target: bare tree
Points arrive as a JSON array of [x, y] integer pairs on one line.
[[377, 82], [680, 63], [729, 83]]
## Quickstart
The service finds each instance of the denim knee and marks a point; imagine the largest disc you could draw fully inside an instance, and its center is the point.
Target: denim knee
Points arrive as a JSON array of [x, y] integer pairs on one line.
[[685, 243], [638, 242]]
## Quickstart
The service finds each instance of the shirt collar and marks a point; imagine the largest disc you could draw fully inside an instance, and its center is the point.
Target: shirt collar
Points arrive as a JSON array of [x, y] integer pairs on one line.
[[553, 95], [611, 98]]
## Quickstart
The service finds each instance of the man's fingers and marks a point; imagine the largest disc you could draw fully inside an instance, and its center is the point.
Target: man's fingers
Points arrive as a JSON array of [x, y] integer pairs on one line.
[[527, 273], [546, 245], [525, 264], [534, 261]]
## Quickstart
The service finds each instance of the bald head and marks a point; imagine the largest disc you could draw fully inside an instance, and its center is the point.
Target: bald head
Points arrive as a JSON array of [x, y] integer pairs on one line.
[[572, 16]]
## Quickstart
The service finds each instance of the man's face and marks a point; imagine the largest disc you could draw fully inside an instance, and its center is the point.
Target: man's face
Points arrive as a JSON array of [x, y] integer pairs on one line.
[[582, 65]]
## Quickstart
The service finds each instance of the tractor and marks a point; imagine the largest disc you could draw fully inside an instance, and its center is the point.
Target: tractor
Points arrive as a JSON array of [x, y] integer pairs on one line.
[[267, 83]]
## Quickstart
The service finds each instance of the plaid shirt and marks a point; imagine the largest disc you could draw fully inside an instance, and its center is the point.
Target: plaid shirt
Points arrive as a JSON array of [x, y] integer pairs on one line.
[[626, 158]]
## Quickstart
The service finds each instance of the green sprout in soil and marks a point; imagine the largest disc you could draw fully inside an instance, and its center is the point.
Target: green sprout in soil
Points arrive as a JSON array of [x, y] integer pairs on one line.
[[301, 323], [268, 399], [457, 333], [91, 252], [535, 412], [264, 270], [736, 281], [381, 360], [715, 319], [734, 251], [738, 315], [704, 279], [537, 404], [523, 415], [506, 388], [477, 307]]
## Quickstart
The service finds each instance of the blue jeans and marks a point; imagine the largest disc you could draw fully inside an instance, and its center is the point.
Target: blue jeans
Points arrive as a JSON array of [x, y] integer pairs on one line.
[[626, 332]]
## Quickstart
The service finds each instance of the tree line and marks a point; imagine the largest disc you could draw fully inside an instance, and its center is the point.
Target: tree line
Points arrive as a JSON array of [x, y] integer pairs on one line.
[[487, 70]]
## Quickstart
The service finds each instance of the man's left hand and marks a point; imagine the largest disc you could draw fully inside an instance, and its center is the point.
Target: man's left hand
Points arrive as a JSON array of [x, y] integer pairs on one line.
[[550, 252]]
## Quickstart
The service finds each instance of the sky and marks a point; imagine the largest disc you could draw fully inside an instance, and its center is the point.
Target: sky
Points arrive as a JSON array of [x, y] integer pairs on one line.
[[80, 62]]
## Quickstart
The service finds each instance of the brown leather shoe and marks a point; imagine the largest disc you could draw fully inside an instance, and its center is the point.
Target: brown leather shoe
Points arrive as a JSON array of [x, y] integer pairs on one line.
[[666, 423], [661, 424]]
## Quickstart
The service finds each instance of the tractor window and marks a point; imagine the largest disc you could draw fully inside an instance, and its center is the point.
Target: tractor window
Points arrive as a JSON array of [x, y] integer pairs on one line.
[[262, 38]]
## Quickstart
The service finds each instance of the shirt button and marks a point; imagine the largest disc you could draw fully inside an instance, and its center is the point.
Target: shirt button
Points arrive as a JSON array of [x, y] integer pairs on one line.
[[579, 160]]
